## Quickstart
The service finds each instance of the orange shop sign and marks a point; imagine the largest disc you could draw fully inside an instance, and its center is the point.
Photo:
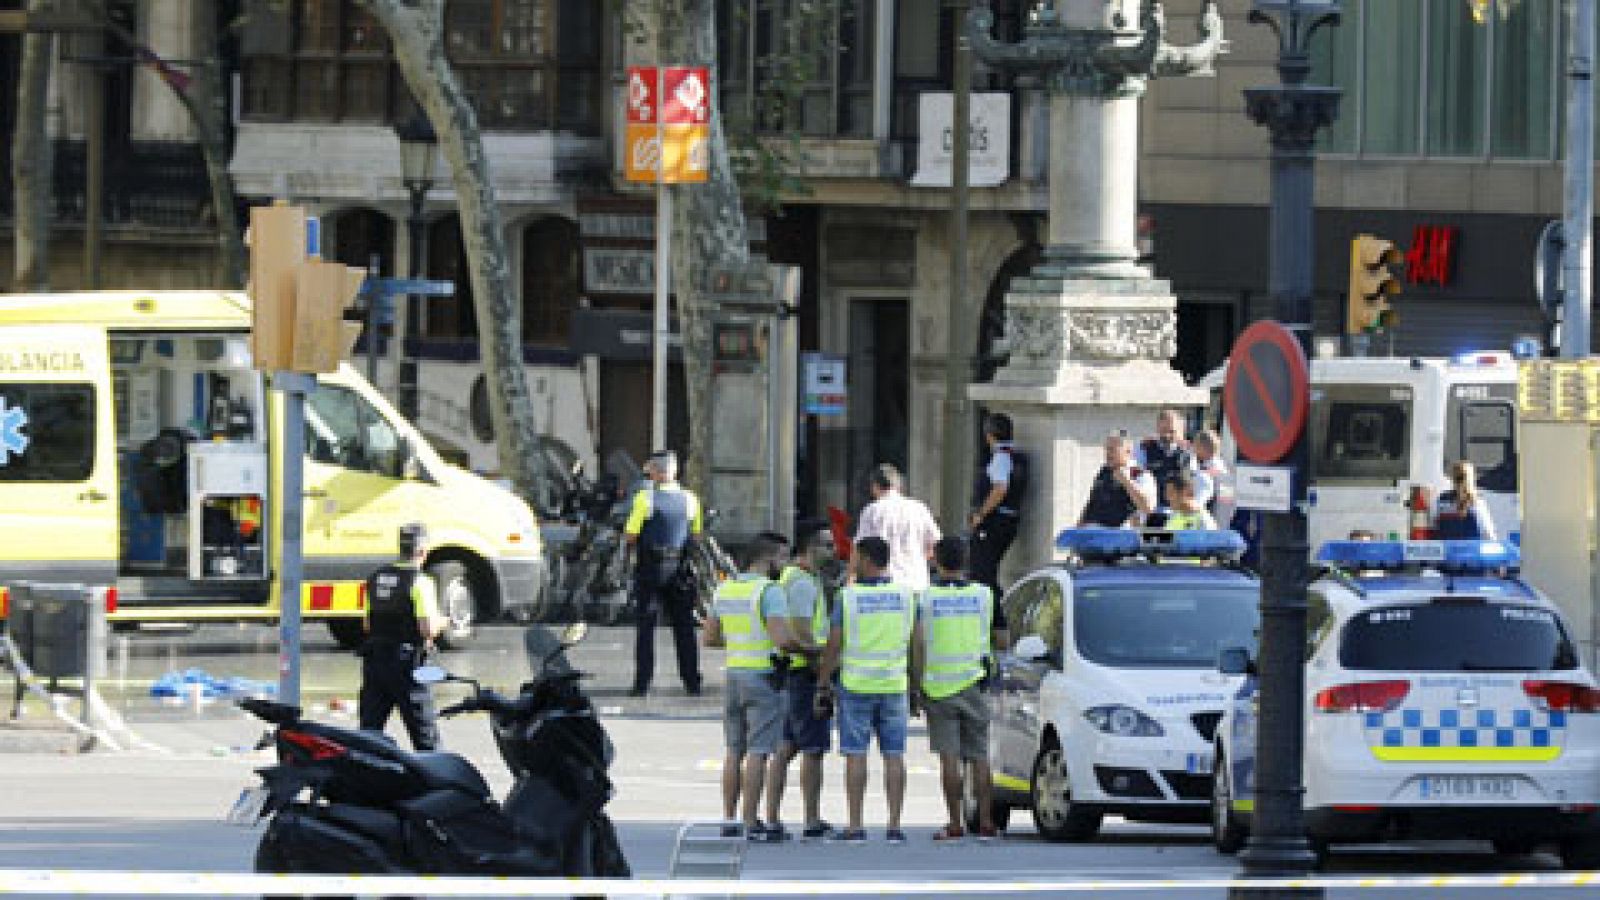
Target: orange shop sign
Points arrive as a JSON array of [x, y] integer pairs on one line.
[[667, 137]]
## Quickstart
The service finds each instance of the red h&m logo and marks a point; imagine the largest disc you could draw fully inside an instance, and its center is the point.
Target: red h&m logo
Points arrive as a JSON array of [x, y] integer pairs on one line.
[[1432, 257]]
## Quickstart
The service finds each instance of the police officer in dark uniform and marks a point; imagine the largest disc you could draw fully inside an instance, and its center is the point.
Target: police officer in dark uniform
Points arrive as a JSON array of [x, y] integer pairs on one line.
[[1168, 453], [402, 621], [662, 520], [997, 501]]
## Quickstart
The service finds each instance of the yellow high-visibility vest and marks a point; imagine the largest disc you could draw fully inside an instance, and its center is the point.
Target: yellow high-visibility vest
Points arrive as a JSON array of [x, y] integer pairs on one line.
[[877, 634], [955, 632], [738, 606]]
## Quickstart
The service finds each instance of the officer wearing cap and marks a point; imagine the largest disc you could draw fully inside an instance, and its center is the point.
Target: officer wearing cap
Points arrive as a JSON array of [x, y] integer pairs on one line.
[[663, 518], [402, 621]]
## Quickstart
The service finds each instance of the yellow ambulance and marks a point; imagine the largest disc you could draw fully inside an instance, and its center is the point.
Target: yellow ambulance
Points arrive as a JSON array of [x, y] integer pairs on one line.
[[140, 450]]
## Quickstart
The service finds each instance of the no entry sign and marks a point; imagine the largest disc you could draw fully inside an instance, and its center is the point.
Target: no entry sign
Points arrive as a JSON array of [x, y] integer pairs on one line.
[[1267, 392]]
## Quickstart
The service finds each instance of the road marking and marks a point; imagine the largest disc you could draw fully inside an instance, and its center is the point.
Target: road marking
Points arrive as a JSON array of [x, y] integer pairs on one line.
[[211, 884]]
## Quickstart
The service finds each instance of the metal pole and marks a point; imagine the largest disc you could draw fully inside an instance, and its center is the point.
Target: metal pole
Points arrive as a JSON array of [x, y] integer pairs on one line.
[[406, 381], [294, 387], [1578, 228], [95, 166], [958, 435], [1293, 112], [663, 319], [373, 299]]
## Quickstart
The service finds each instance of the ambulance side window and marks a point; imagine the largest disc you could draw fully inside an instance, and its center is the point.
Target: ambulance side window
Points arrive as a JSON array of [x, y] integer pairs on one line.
[[46, 432], [1361, 433], [1485, 433], [344, 430]]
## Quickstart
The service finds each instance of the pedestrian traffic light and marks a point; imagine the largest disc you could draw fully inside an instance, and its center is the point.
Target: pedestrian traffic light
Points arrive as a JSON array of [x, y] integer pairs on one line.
[[1371, 284], [298, 302]]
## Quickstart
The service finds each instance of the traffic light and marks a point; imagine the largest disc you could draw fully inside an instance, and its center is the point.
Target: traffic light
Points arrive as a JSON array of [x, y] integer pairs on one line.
[[298, 302], [1371, 284]]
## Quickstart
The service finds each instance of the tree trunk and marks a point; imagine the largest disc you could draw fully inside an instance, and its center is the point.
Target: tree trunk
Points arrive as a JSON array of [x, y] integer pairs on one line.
[[708, 225], [32, 159], [416, 29]]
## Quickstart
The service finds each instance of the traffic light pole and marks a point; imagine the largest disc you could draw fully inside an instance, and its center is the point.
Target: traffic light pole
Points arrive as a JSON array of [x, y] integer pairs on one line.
[[294, 386], [1293, 112], [1578, 228]]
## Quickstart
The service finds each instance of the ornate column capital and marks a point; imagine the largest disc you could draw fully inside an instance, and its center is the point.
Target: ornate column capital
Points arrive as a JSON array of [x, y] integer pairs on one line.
[[1293, 114]]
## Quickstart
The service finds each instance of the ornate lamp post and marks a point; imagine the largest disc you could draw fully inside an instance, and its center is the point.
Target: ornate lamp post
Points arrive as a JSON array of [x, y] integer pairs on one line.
[[419, 151], [1293, 112]]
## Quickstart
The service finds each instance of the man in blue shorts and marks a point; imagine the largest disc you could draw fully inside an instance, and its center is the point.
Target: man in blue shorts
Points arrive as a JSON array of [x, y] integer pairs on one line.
[[868, 647], [806, 733]]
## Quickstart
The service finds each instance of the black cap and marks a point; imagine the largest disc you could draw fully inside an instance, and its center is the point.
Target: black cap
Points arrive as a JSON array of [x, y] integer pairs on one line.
[[413, 536]]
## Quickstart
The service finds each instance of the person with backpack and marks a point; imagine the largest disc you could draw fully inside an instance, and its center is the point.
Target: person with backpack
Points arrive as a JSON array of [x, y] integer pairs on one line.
[[663, 518], [998, 493]]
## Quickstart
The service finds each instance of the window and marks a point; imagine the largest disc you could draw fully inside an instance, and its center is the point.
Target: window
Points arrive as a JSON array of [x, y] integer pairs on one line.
[[330, 61], [762, 47], [1483, 432], [59, 428], [1362, 433], [1175, 627], [1319, 619], [344, 430], [1484, 637], [1020, 603], [1450, 78]]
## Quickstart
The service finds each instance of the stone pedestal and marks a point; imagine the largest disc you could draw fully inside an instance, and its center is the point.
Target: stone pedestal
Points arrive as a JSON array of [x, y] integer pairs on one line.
[[1088, 357]]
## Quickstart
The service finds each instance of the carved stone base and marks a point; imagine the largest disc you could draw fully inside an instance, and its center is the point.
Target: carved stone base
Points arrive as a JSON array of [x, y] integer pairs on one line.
[[1088, 358]]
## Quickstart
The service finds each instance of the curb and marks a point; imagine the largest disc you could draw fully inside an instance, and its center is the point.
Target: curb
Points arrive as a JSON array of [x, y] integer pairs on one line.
[[16, 737]]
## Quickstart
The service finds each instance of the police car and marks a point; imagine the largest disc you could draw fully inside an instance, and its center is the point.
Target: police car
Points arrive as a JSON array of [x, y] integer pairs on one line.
[[1108, 698], [1444, 699]]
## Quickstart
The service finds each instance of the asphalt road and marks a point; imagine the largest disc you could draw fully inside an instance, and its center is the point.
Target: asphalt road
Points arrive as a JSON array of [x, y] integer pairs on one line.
[[160, 808]]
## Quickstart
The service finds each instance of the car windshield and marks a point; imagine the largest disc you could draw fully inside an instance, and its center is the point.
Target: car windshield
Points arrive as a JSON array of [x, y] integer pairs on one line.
[[1169, 626], [1482, 637]]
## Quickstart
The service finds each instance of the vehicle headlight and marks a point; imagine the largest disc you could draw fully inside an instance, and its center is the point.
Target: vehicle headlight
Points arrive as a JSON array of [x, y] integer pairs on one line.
[[1123, 721]]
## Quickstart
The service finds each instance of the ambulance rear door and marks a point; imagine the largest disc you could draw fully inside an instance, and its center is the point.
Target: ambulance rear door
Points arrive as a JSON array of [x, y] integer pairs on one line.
[[58, 467]]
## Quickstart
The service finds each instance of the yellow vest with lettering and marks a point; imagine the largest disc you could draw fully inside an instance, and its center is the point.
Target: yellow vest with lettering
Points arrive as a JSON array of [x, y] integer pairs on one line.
[[955, 632], [738, 607], [877, 634]]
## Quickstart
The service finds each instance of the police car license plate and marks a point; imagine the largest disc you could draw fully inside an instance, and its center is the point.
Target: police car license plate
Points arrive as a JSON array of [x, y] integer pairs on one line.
[[247, 809], [1466, 788]]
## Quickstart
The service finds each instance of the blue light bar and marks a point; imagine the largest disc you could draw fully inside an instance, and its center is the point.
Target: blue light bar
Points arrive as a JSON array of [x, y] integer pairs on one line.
[[1457, 555], [1111, 543]]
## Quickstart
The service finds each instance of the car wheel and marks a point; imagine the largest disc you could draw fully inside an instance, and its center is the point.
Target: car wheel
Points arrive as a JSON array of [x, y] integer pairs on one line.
[[458, 601], [1581, 853], [1227, 832], [349, 634], [1054, 814], [999, 810]]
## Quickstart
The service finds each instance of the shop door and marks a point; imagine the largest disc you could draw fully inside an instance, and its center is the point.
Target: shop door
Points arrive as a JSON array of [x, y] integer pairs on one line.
[[625, 399], [879, 378]]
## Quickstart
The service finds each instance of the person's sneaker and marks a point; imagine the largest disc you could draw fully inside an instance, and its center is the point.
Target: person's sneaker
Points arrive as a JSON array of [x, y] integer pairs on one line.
[[694, 691], [895, 836], [768, 834], [817, 832], [949, 833], [732, 830], [849, 836], [988, 834]]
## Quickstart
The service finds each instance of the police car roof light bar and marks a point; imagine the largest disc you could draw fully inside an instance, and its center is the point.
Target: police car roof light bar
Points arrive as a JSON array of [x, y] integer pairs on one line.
[[1116, 543], [1452, 556]]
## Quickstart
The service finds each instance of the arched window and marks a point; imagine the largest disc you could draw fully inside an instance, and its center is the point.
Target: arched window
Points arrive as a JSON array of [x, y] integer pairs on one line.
[[550, 278], [450, 317]]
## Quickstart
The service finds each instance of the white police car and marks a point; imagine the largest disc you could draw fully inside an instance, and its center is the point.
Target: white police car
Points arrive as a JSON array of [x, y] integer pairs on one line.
[[1109, 696], [1444, 699]]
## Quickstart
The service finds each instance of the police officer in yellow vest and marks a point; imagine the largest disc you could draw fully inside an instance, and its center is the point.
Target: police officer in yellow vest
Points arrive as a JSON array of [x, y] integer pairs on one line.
[[750, 620], [868, 644], [806, 733], [1184, 511], [402, 621], [954, 634]]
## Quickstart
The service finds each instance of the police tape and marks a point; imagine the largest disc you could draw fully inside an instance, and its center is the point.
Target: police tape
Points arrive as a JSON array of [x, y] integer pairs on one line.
[[68, 882]]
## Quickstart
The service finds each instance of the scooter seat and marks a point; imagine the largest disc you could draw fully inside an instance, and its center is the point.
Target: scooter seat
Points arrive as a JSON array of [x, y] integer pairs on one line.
[[449, 771]]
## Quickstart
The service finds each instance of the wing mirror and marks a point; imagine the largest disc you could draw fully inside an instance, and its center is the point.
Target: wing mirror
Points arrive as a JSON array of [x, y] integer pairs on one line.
[[1031, 648], [430, 675], [1235, 661]]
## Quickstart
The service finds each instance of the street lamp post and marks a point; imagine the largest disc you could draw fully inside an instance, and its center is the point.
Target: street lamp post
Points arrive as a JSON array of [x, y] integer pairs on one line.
[[1293, 112], [419, 149]]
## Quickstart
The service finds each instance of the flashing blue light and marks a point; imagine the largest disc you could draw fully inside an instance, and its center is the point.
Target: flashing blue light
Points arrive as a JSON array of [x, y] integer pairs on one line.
[[1482, 358], [1110, 543], [1457, 555]]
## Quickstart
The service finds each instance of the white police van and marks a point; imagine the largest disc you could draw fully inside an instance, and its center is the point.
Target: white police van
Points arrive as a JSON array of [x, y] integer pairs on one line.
[[1384, 433], [1444, 699], [1109, 696]]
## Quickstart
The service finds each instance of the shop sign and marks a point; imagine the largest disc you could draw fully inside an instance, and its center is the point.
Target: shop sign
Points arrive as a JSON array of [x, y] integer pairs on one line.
[[667, 137], [989, 156], [1431, 259], [618, 270], [823, 385]]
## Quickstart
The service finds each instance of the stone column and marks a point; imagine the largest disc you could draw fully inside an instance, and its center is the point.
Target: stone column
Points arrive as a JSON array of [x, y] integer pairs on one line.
[[1090, 332]]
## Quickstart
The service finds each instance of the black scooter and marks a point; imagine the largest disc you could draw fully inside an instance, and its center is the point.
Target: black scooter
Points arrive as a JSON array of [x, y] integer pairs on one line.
[[352, 802]]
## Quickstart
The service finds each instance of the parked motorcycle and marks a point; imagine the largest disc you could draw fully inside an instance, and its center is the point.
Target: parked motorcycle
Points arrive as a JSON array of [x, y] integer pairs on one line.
[[345, 801]]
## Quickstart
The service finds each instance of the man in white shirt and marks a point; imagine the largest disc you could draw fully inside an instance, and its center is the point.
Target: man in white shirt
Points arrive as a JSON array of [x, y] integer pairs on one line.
[[905, 524]]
